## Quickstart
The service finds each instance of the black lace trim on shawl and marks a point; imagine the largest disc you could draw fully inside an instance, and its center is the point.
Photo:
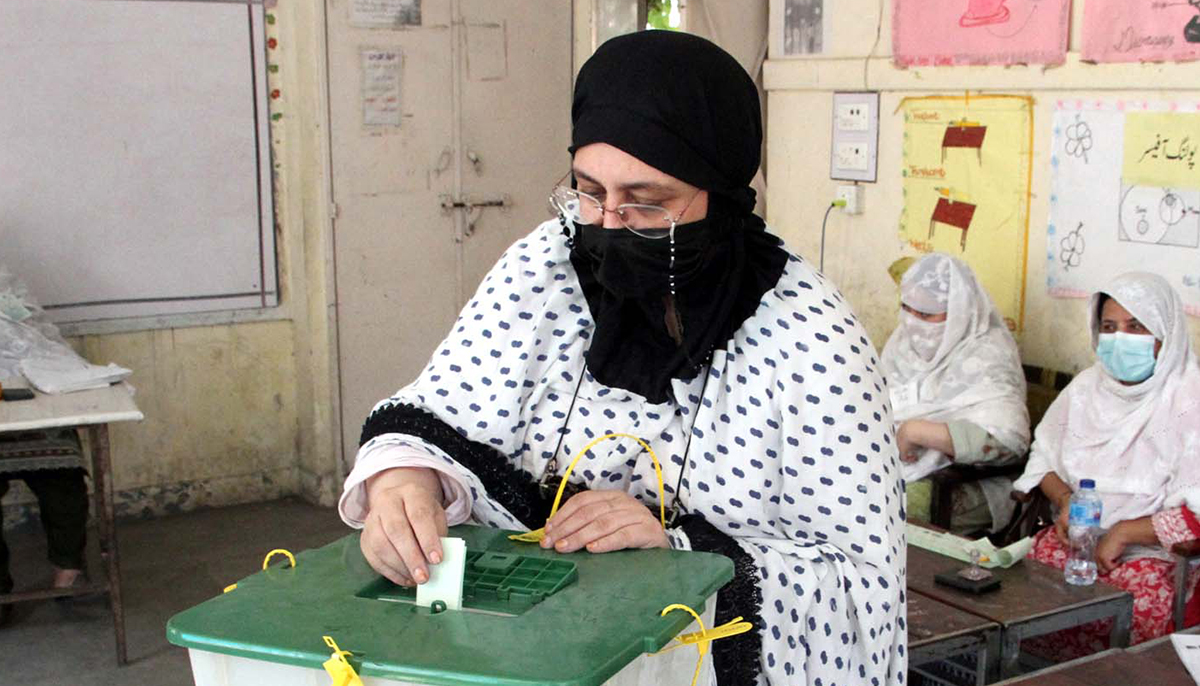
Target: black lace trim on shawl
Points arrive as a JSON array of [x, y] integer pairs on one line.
[[516, 489], [736, 660]]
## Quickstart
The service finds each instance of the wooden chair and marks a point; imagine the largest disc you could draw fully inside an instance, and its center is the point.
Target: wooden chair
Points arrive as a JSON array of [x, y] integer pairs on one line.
[[1042, 387]]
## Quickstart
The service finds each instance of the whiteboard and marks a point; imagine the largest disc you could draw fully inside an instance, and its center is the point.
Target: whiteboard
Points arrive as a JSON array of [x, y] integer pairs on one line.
[[135, 172]]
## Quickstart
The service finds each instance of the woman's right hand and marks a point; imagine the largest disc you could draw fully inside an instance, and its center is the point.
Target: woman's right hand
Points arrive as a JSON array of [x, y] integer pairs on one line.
[[1062, 522], [405, 519]]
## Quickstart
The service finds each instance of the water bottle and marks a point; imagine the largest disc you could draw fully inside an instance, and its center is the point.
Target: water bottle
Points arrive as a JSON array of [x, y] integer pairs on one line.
[[1083, 530]]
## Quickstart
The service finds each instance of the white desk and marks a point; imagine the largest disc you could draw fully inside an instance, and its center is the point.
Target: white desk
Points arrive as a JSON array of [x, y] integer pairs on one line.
[[93, 410]]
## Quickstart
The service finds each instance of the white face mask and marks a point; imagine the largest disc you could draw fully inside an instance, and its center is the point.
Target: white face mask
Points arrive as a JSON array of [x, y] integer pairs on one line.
[[926, 337]]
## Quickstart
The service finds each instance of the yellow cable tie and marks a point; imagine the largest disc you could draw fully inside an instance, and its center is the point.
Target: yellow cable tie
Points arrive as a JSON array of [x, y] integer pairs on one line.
[[338, 667], [278, 551], [538, 535], [702, 638], [229, 588]]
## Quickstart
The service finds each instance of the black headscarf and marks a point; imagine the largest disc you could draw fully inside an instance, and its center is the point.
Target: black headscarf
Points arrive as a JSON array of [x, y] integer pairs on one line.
[[684, 106]]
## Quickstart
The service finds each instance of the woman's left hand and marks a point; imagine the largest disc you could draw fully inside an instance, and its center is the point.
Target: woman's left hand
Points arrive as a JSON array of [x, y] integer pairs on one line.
[[1109, 549], [604, 521]]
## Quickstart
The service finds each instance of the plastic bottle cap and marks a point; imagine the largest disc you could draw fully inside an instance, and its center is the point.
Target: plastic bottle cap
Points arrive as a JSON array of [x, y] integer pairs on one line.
[[1087, 483]]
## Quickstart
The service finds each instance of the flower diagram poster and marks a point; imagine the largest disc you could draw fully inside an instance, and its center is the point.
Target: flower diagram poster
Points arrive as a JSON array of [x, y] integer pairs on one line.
[[966, 187], [946, 32], [1125, 190], [1141, 30]]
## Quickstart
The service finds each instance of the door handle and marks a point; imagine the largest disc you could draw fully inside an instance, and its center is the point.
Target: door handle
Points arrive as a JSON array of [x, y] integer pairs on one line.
[[476, 161]]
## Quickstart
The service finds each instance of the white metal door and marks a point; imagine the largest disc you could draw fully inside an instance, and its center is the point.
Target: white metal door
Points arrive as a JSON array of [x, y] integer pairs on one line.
[[485, 101]]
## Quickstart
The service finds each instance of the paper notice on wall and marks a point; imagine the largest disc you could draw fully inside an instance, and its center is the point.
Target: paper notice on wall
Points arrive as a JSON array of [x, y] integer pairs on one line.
[[385, 14], [1125, 195], [980, 31], [1161, 149], [966, 187], [805, 25], [381, 86], [1141, 30]]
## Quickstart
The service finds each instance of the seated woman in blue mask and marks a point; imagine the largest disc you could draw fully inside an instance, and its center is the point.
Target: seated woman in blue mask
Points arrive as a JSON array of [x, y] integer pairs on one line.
[[1131, 423], [657, 304]]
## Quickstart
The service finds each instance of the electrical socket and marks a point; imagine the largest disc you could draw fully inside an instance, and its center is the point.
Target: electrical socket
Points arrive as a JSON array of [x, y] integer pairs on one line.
[[853, 116], [852, 156], [854, 148], [853, 196]]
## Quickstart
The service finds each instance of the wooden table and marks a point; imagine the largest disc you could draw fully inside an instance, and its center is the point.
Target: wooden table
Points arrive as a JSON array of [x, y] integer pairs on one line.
[[93, 410], [1152, 664], [937, 631], [1033, 600]]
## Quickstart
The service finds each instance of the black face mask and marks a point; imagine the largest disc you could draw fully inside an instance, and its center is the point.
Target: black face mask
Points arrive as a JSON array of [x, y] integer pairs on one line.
[[631, 266], [723, 265]]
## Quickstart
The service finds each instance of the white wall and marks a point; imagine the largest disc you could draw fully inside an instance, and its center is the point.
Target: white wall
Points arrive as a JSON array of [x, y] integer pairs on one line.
[[860, 248]]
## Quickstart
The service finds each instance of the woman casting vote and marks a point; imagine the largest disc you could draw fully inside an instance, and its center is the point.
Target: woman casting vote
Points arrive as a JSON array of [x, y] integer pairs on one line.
[[656, 304]]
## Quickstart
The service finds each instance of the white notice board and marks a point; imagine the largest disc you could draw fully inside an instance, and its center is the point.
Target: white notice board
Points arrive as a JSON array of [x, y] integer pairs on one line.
[[135, 171]]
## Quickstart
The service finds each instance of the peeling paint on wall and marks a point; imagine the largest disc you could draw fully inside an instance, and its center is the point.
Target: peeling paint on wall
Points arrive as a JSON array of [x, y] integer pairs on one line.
[[159, 500]]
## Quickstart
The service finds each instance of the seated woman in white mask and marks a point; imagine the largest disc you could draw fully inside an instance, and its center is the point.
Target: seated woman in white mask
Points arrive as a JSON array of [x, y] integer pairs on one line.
[[958, 393], [1131, 423]]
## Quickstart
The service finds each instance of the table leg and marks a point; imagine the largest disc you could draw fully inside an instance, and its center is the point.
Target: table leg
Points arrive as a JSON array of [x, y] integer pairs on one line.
[[1010, 652], [981, 664], [992, 666], [102, 480], [1122, 619]]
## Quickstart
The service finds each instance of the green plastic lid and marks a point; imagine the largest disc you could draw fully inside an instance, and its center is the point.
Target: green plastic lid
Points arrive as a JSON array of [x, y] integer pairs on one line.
[[531, 616]]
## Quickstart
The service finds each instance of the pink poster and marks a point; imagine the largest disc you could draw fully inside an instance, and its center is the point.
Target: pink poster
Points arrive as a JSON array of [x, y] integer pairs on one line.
[[946, 32], [1141, 30]]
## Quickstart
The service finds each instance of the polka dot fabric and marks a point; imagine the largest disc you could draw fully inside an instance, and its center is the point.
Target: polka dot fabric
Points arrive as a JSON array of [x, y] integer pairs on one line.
[[793, 453]]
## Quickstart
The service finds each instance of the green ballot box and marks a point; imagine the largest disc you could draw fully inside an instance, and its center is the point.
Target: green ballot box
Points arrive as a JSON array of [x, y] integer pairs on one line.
[[529, 617]]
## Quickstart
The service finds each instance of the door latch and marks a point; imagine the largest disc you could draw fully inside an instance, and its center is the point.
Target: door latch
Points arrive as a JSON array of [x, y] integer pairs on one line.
[[473, 207]]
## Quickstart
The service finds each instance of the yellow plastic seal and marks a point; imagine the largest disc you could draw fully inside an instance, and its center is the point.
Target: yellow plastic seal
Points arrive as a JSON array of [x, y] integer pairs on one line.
[[278, 551], [338, 667], [539, 534], [702, 638]]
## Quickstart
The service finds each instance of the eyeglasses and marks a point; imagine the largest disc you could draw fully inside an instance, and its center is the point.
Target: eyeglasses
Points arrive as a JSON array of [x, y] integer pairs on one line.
[[647, 221]]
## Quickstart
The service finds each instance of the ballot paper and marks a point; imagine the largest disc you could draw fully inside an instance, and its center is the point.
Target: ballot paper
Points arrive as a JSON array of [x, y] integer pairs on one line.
[[959, 548], [446, 578], [1188, 648], [929, 462], [66, 373]]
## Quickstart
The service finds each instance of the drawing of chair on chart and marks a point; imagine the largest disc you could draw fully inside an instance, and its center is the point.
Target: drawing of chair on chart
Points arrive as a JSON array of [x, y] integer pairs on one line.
[[954, 211], [983, 13]]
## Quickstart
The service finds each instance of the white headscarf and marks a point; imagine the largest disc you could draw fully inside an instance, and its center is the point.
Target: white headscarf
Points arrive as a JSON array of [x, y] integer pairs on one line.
[[974, 373], [1139, 443]]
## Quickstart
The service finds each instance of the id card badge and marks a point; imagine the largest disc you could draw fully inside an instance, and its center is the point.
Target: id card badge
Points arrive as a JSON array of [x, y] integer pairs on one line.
[[904, 395]]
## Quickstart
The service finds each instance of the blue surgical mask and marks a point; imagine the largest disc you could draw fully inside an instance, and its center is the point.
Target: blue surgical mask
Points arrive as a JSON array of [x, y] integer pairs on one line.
[[1128, 357]]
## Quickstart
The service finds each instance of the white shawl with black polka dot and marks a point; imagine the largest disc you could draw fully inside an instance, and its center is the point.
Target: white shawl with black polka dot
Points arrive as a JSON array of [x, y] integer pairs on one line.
[[793, 454]]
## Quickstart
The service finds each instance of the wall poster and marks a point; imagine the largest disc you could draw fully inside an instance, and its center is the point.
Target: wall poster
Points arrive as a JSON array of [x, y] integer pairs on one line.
[[1125, 195], [946, 32], [966, 187], [1141, 30]]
